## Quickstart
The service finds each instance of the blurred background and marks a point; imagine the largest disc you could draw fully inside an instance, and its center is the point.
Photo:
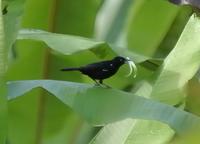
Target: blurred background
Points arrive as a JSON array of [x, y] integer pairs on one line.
[[147, 27]]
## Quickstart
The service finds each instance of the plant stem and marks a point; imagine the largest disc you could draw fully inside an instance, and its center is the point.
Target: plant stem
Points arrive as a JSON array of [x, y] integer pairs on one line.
[[3, 65]]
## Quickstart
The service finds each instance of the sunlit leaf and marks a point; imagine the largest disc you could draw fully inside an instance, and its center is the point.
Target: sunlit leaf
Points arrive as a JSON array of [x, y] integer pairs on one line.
[[132, 131], [180, 65]]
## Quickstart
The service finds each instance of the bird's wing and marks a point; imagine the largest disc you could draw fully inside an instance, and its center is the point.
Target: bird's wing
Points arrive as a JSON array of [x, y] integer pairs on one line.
[[96, 67]]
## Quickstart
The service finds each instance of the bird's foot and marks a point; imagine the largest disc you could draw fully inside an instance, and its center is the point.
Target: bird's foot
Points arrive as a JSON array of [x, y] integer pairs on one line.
[[97, 84], [106, 86], [102, 85]]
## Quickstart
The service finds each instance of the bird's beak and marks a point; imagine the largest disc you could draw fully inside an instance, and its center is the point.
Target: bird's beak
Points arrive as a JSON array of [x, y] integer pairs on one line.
[[127, 60], [132, 67]]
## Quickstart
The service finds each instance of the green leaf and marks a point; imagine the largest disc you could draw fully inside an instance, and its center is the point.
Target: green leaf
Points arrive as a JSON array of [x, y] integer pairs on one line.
[[101, 106], [135, 130], [25, 65], [131, 131], [148, 27], [12, 21], [110, 25], [68, 44], [180, 65], [65, 44], [174, 32]]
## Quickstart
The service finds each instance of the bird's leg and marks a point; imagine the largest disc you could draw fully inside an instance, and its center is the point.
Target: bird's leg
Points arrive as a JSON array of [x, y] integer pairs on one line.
[[101, 82], [96, 83]]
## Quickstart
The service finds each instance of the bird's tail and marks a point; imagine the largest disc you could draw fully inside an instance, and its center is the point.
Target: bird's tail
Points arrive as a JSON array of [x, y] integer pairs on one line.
[[70, 69]]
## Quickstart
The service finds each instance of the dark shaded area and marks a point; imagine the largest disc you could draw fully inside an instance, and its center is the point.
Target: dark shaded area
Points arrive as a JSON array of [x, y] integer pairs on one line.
[[152, 64], [5, 10], [193, 98], [194, 3], [175, 30], [176, 1]]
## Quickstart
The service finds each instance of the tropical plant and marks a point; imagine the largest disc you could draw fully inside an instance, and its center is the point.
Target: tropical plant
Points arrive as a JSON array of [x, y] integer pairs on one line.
[[46, 106]]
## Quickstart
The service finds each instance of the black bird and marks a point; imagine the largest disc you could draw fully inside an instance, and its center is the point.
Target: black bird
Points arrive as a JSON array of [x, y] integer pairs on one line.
[[100, 70]]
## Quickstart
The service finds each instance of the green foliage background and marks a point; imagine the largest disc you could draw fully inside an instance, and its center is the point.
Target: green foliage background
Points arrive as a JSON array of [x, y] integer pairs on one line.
[[163, 39]]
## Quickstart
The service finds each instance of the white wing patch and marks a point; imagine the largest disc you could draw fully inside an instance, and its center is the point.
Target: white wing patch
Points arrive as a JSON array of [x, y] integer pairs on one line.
[[105, 70], [111, 65]]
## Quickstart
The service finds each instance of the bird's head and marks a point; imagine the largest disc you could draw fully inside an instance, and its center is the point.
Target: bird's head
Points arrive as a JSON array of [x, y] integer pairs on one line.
[[119, 60]]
